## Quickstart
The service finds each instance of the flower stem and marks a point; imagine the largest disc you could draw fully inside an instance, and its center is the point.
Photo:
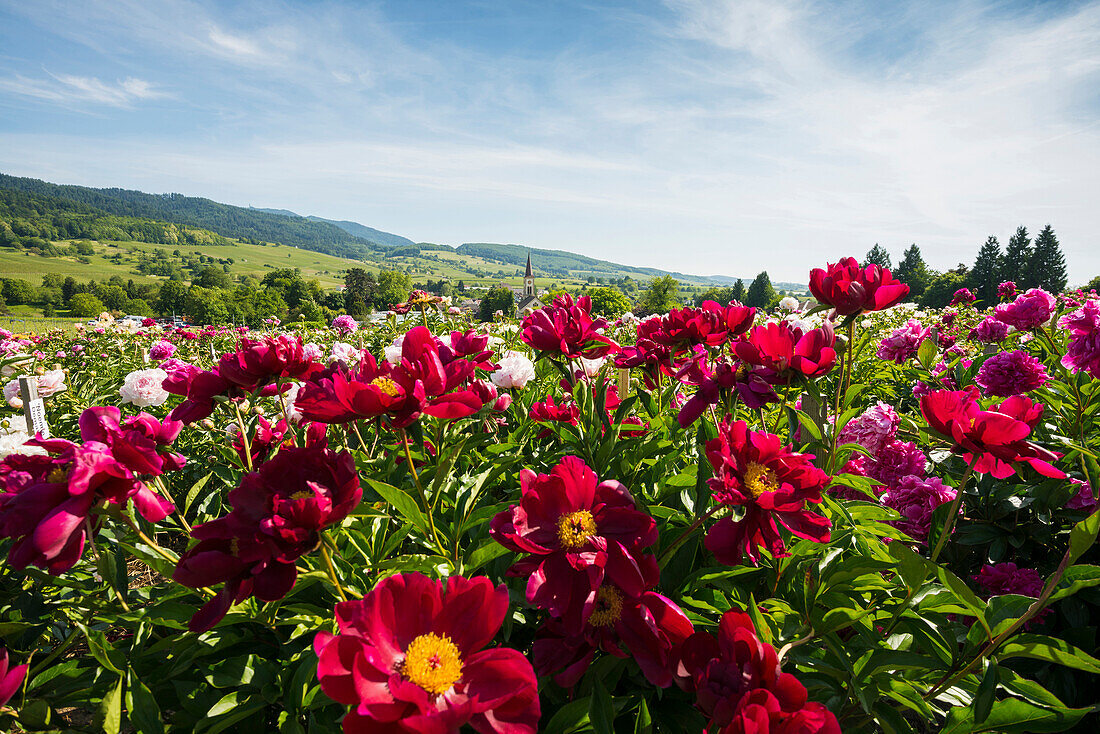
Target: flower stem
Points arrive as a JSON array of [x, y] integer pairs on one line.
[[952, 513], [667, 552], [332, 571], [423, 495], [244, 437]]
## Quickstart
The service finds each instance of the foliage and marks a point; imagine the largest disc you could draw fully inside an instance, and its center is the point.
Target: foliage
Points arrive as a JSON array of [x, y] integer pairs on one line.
[[878, 255], [497, 299], [983, 276], [914, 272], [761, 294], [608, 302], [661, 296], [1046, 265]]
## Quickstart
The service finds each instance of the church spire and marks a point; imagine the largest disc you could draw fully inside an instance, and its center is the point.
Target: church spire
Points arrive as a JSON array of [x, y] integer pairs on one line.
[[529, 273]]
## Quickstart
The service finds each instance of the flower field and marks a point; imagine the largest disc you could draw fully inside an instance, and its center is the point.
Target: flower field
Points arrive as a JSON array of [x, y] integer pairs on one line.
[[847, 515]]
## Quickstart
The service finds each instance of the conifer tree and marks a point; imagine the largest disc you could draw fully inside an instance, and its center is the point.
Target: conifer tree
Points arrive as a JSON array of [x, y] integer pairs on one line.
[[985, 275], [879, 256], [738, 291], [1046, 265], [761, 294], [1016, 256], [914, 272]]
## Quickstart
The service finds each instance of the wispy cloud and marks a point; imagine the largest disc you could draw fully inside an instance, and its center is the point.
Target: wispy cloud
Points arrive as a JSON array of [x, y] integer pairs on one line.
[[69, 88]]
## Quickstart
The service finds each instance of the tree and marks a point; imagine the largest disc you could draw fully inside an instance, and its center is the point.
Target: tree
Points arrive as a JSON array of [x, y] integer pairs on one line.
[[1092, 285], [914, 272], [609, 302], [942, 289], [761, 294], [171, 298], [498, 298], [737, 292], [393, 287], [83, 305], [360, 289], [212, 277], [1046, 266], [662, 295], [985, 274], [17, 291], [1016, 256], [878, 256]]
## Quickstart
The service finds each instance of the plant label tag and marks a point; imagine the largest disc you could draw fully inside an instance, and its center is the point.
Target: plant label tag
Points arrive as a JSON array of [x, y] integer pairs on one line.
[[36, 418]]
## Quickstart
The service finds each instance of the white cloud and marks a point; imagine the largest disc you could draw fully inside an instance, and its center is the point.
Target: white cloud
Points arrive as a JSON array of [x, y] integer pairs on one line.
[[69, 88]]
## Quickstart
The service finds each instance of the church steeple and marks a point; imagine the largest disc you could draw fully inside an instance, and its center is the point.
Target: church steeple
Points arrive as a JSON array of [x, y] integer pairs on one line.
[[529, 279]]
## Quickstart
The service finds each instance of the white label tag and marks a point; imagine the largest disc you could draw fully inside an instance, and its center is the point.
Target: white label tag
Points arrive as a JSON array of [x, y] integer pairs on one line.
[[36, 413]]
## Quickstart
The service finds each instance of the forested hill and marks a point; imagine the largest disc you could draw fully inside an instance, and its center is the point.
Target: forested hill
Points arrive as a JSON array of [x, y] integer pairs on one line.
[[224, 219], [352, 228]]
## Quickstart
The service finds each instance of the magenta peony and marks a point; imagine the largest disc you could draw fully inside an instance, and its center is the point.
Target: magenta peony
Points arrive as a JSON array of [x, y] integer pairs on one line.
[[1011, 373], [902, 344], [1084, 343], [916, 498], [1033, 308]]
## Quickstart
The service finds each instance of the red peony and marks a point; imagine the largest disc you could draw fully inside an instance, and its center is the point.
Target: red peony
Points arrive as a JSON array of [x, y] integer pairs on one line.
[[739, 685], [993, 440], [277, 517], [568, 328], [410, 657], [258, 362], [578, 536], [787, 352], [851, 289], [753, 470], [11, 678]]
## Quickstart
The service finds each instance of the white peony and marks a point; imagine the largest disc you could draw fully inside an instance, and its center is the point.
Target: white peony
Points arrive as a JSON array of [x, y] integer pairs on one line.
[[788, 303], [344, 352], [13, 437], [143, 388], [592, 366], [293, 415], [516, 370], [393, 351], [51, 383]]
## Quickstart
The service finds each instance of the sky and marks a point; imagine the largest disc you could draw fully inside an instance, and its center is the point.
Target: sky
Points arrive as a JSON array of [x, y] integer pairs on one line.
[[704, 136]]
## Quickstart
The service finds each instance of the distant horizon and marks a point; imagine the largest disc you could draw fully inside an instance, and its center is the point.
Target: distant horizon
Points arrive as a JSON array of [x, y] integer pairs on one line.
[[697, 136]]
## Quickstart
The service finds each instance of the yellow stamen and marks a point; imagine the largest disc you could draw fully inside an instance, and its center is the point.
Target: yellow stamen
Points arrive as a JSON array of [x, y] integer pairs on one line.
[[609, 607], [58, 475], [433, 663], [575, 528], [387, 386], [760, 479], [305, 494], [234, 547]]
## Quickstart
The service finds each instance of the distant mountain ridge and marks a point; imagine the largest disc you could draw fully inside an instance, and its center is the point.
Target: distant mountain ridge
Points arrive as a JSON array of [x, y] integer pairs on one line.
[[342, 238]]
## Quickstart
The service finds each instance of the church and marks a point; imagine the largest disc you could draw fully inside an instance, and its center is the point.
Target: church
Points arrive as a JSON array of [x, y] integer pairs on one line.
[[529, 301]]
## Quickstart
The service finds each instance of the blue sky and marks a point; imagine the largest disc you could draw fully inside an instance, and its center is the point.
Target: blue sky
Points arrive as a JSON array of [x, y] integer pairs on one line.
[[695, 135]]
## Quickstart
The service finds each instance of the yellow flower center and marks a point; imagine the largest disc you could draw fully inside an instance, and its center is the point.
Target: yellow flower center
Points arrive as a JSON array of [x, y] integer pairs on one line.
[[234, 547], [387, 386], [58, 475], [575, 528], [609, 607], [760, 479], [433, 663], [305, 494]]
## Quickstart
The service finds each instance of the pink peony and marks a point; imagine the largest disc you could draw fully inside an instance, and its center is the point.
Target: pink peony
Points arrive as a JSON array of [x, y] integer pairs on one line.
[[51, 383], [1084, 499], [916, 498], [1008, 578], [1033, 308], [896, 460], [162, 350], [1011, 373], [1007, 289], [990, 331], [345, 324], [901, 345], [1084, 344], [144, 388], [872, 429], [963, 296], [516, 370]]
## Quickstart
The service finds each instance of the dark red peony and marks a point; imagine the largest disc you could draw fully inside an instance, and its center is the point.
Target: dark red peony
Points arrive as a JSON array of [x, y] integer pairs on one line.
[[724, 381], [411, 657], [11, 678], [277, 517], [739, 685], [258, 362], [851, 289], [994, 439], [579, 535], [567, 328], [755, 471]]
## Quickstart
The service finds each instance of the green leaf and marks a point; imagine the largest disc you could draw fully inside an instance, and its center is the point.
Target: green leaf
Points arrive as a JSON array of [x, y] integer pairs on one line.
[[1076, 578], [912, 567], [965, 595], [193, 493], [1014, 716], [143, 710], [572, 718], [763, 631], [601, 711], [983, 701], [837, 619], [483, 555], [110, 709], [1083, 535], [401, 502], [643, 722], [926, 353], [102, 651], [1050, 649]]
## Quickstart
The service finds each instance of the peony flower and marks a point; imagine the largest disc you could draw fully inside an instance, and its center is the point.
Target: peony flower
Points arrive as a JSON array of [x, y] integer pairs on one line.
[[752, 387], [1007, 578], [993, 440], [1006, 289], [11, 678], [515, 370], [343, 352], [788, 303], [850, 289], [578, 535], [1033, 308], [411, 657], [14, 438], [963, 296], [278, 513], [788, 352], [257, 363], [916, 498], [393, 351], [567, 328], [1084, 499], [1083, 324], [990, 331], [144, 388], [162, 350], [872, 429], [753, 470], [895, 460], [902, 344], [740, 687], [1011, 373], [345, 324]]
